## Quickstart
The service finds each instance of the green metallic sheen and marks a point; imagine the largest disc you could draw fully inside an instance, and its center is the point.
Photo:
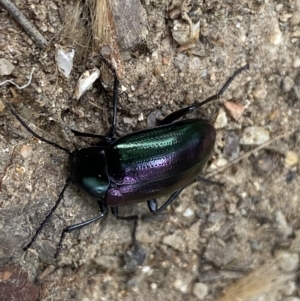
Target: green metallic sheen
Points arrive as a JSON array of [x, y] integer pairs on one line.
[[151, 163]]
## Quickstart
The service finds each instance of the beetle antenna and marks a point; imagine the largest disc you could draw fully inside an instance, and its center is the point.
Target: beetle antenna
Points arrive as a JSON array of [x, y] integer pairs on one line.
[[36, 135]]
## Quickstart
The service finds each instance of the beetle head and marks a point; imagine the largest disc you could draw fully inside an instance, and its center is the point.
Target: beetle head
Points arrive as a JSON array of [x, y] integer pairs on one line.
[[89, 171]]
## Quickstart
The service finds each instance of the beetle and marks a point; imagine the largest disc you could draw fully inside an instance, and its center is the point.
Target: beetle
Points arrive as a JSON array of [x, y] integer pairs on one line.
[[138, 167]]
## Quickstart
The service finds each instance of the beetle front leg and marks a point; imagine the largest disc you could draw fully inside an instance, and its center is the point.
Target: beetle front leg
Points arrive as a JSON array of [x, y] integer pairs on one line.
[[115, 211], [68, 229], [152, 204], [47, 218]]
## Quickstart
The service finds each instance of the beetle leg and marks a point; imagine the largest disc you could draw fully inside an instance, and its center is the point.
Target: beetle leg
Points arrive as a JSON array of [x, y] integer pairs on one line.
[[68, 229], [152, 205], [106, 139], [208, 181], [180, 113], [61, 195], [115, 210], [90, 135]]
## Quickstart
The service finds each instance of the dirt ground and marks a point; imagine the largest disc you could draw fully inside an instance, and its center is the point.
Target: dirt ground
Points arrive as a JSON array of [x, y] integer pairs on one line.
[[239, 241]]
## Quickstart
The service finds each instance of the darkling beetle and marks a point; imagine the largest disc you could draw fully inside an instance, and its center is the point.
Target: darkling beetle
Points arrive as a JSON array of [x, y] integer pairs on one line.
[[141, 166]]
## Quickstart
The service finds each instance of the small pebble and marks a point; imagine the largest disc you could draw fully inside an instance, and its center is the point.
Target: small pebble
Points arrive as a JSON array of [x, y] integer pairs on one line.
[[290, 288], [200, 290], [255, 246], [157, 70], [275, 33], [279, 7], [291, 159], [219, 252], [285, 17], [141, 117], [296, 34], [231, 147], [189, 98], [274, 115], [146, 269], [188, 212], [284, 228], [221, 120], [153, 286], [194, 64], [287, 84], [175, 241], [260, 92], [154, 55], [290, 176], [25, 151], [231, 208], [287, 261], [182, 285], [296, 62], [6, 67], [218, 163], [296, 15], [235, 110], [165, 61], [20, 170], [29, 41], [174, 13], [192, 236], [128, 120], [2, 106], [255, 135]]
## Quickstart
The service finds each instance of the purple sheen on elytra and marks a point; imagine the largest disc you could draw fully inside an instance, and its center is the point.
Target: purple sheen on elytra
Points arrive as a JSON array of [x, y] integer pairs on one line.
[[152, 163]]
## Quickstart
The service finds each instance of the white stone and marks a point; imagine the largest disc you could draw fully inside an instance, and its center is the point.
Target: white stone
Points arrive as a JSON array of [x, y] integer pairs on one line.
[[255, 135], [86, 81], [6, 67], [200, 290], [64, 60]]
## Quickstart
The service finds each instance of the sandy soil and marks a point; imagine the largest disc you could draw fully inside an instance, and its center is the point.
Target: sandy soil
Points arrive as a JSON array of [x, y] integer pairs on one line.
[[235, 242]]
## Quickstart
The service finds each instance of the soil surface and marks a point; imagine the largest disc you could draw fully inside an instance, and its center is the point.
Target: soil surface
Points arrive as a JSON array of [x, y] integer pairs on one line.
[[239, 241]]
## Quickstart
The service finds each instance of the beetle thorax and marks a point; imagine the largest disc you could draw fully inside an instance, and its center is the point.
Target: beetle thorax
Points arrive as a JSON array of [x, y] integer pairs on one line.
[[89, 171]]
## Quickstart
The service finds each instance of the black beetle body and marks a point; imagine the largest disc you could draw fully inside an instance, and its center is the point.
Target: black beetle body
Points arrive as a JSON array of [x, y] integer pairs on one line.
[[146, 164], [140, 166]]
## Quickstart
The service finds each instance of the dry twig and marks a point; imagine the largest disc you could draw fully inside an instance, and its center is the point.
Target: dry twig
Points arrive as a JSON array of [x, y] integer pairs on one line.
[[25, 23], [246, 155]]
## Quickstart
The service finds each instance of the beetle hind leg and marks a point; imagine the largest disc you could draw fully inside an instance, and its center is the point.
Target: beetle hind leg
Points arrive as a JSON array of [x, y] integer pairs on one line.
[[115, 212], [208, 181], [152, 204], [68, 229]]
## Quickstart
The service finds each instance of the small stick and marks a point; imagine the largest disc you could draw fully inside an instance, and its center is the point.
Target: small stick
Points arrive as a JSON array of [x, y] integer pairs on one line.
[[25, 23], [246, 155], [19, 87]]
